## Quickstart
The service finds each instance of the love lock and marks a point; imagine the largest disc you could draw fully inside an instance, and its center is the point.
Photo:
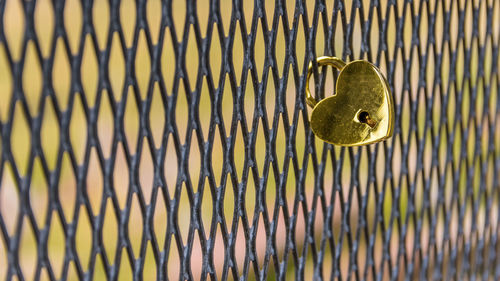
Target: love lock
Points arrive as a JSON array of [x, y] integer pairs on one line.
[[361, 110]]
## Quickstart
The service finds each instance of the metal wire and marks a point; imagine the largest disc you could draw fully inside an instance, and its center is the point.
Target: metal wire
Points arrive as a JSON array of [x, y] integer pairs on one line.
[[191, 156]]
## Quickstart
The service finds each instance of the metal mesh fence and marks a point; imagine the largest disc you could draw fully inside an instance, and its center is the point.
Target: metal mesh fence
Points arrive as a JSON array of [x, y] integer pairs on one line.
[[170, 140]]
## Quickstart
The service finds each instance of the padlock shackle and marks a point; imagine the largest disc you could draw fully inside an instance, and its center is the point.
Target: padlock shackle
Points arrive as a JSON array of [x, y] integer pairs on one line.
[[322, 61]]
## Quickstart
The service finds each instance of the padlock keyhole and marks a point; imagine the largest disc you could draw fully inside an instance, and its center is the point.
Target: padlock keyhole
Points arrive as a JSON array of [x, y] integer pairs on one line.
[[364, 117]]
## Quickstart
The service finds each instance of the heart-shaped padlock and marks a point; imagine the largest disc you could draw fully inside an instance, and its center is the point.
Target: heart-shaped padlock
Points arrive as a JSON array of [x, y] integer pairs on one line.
[[361, 110]]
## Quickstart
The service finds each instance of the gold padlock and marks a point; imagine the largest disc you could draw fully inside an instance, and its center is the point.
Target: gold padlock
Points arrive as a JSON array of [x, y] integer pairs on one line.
[[361, 110]]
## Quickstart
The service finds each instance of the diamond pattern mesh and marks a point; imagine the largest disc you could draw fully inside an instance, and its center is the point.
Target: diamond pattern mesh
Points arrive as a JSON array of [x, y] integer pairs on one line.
[[170, 140]]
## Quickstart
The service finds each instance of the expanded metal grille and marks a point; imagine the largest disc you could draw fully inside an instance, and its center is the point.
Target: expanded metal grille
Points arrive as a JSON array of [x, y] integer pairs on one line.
[[170, 140]]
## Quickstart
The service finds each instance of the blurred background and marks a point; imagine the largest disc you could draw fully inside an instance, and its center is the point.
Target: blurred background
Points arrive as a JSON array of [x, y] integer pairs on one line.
[[107, 197]]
